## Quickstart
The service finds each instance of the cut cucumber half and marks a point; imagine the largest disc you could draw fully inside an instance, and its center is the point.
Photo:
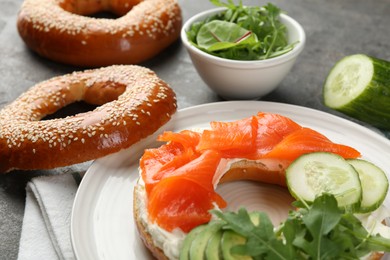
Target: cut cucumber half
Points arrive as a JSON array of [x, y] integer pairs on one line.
[[374, 184], [359, 86], [316, 173]]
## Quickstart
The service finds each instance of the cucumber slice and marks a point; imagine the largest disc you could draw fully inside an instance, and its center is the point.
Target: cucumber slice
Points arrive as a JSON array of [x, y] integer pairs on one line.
[[359, 86], [374, 184], [316, 173]]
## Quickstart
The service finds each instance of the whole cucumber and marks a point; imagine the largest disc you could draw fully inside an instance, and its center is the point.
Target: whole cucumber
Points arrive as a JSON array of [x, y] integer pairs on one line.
[[359, 86]]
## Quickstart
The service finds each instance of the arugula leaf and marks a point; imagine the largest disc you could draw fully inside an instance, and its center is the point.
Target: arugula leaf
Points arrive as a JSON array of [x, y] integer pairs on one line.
[[261, 239], [323, 215], [366, 242], [229, 4], [267, 36], [319, 221], [318, 231]]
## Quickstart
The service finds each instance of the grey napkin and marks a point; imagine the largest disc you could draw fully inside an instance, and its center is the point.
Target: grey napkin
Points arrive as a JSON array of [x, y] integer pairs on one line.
[[46, 224]]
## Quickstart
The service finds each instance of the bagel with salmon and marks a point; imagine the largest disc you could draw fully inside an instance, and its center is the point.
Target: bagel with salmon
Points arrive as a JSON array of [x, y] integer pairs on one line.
[[177, 185]]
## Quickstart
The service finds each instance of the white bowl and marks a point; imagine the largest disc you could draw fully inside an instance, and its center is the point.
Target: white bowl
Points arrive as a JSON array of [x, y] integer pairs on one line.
[[233, 79]]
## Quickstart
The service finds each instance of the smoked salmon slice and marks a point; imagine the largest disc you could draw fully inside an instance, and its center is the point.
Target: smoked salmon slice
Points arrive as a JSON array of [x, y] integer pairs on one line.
[[307, 140], [272, 128], [179, 150], [249, 138], [232, 139], [184, 197], [186, 138], [181, 203], [156, 163]]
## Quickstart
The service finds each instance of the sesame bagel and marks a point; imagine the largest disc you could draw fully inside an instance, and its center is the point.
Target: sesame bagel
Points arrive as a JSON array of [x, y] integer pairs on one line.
[[132, 104], [60, 30]]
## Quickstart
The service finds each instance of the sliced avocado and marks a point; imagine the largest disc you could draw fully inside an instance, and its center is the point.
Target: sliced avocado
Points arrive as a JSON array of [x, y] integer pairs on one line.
[[185, 249], [229, 240], [210, 242], [255, 217], [213, 248], [200, 242]]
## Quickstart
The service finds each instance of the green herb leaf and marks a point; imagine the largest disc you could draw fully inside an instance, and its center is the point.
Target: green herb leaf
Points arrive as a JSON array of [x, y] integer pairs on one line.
[[261, 239], [265, 36], [220, 35], [318, 231], [323, 215], [322, 218]]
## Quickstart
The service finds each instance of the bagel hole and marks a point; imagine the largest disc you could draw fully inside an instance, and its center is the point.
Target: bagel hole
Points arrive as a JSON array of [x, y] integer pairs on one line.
[[98, 9], [104, 15], [71, 110], [272, 199]]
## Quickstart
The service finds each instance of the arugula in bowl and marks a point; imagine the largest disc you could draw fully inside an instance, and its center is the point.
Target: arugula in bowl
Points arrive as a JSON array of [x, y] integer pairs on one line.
[[242, 32]]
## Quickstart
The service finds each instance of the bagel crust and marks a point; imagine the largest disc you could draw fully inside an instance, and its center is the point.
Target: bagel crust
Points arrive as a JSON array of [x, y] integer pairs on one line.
[[132, 104], [145, 236], [60, 31]]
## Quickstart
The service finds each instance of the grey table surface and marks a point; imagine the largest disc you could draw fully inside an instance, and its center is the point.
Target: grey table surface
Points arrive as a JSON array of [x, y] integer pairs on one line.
[[334, 29]]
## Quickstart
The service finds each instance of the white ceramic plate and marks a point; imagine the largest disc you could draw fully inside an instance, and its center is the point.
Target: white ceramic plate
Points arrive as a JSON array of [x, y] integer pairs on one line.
[[102, 225]]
